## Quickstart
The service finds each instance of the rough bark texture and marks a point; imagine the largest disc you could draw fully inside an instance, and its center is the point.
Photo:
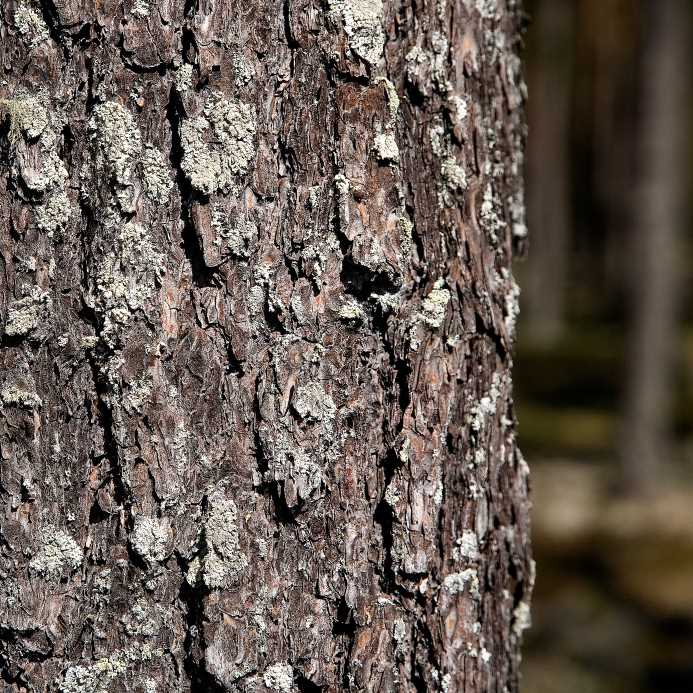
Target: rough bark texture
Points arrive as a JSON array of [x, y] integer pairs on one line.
[[256, 426]]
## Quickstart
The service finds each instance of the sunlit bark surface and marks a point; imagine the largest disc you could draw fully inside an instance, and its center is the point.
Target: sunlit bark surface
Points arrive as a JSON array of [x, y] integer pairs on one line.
[[256, 426]]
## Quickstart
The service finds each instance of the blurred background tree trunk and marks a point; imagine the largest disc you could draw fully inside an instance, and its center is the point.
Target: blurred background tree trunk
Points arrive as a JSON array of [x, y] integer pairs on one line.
[[256, 422], [549, 171], [659, 223]]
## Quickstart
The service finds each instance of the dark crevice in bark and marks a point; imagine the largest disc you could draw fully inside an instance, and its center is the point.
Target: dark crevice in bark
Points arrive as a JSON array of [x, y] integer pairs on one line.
[[305, 685], [97, 514], [17, 679], [290, 40], [422, 641], [192, 598], [52, 20], [202, 275], [345, 627], [84, 38], [110, 444], [190, 8], [129, 64], [482, 330], [361, 282], [418, 675], [384, 517], [283, 514], [189, 45], [272, 319]]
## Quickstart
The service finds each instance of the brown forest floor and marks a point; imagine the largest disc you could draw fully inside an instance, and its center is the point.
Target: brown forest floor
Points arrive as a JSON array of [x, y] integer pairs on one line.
[[613, 605]]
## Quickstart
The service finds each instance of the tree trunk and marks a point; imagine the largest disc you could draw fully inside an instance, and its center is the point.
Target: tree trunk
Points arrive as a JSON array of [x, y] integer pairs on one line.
[[257, 428], [659, 227], [549, 169]]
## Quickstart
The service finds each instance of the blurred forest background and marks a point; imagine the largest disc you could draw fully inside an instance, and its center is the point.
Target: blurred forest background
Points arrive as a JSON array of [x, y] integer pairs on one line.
[[604, 368]]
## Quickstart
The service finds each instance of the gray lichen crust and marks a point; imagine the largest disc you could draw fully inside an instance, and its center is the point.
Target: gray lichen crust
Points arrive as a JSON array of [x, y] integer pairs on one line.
[[279, 677], [58, 551], [150, 539], [363, 26], [34, 134], [24, 315], [119, 144], [156, 175], [222, 562], [432, 313], [30, 25], [99, 676], [218, 145]]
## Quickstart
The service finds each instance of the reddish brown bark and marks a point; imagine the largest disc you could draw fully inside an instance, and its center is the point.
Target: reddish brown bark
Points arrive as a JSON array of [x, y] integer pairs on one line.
[[257, 429]]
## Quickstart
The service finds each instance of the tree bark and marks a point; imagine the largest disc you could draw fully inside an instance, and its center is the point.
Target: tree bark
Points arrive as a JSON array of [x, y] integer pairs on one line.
[[257, 431]]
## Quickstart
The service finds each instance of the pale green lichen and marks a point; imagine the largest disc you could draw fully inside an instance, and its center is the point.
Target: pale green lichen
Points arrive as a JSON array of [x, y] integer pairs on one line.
[[362, 21], [386, 149], [439, 61], [466, 547], [414, 60], [455, 583], [399, 635], [31, 120], [57, 551], [242, 71], [392, 99], [15, 395], [236, 233], [102, 586], [223, 562], [24, 315], [27, 116], [388, 301], [119, 144], [279, 677], [405, 228], [54, 214], [30, 25], [434, 306], [312, 403], [453, 175], [219, 145], [511, 303], [183, 78], [485, 408], [351, 311], [138, 392], [428, 70], [489, 218], [150, 538], [488, 9], [459, 108], [141, 8], [516, 206], [156, 175], [288, 461], [142, 620], [522, 618], [125, 279], [98, 677]]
